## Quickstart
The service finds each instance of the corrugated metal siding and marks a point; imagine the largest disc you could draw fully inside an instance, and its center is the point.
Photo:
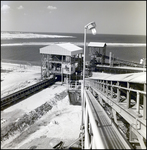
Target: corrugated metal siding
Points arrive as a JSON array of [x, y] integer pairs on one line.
[[131, 77], [96, 44], [62, 49]]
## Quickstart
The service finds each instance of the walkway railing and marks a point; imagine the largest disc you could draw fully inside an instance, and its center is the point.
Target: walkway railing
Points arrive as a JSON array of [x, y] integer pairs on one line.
[[74, 86], [128, 102], [103, 86], [93, 138]]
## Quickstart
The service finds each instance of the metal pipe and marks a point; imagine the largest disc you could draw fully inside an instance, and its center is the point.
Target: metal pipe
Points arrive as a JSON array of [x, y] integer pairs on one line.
[[85, 29], [96, 133]]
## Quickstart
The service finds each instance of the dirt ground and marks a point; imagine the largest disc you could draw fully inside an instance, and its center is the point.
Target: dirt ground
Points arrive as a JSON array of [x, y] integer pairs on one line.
[[40, 121]]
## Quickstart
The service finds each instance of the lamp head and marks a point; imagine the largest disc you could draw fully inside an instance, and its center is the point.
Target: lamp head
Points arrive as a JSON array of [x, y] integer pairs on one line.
[[141, 61], [91, 26], [93, 31]]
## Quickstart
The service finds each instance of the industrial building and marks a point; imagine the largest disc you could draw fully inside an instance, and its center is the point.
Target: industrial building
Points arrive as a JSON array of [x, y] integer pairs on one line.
[[60, 60], [97, 50]]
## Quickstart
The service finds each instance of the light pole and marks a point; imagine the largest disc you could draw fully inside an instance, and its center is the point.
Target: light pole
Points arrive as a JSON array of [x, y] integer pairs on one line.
[[90, 26]]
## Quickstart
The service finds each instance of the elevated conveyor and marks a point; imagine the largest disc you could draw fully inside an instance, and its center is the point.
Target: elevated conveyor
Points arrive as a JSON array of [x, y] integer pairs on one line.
[[100, 132], [124, 96]]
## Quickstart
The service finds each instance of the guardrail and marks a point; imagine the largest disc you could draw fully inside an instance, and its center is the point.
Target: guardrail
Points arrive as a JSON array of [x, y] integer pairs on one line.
[[93, 139]]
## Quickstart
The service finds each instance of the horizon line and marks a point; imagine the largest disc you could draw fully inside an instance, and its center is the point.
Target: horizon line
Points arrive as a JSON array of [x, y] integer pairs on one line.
[[74, 33]]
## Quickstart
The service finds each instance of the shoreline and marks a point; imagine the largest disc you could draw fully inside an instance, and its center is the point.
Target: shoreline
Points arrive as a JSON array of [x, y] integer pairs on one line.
[[20, 62], [76, 43]]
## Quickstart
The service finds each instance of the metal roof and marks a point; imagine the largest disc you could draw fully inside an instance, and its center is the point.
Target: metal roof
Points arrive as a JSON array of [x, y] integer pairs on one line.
[[123, 67], [128, 77], [67, 49], [101, 76], [96, 44]]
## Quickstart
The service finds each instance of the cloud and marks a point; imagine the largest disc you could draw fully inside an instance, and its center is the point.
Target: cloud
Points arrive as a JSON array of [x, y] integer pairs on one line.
[[20, 7], [51, 7], [5, 8]]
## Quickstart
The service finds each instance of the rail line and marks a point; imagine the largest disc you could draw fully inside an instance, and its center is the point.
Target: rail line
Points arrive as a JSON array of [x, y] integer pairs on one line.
[[13, 98]]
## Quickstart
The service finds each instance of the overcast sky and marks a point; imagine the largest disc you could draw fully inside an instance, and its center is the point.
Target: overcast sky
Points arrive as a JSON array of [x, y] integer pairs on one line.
[[111, 17]]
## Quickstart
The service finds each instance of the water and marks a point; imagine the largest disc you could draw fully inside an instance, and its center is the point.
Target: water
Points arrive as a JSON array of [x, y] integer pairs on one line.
[[30, 53]]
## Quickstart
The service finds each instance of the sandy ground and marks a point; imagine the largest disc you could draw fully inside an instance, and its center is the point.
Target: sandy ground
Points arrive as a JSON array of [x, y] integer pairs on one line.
[[61, 123]]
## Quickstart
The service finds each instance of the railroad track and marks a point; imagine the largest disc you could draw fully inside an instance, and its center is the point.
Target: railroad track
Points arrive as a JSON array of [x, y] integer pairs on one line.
[[13, 98]]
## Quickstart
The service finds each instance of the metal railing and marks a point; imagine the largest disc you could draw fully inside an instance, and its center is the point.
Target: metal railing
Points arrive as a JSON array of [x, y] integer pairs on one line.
[[104, 86], [93, 139], [119, 98], [74, 86]]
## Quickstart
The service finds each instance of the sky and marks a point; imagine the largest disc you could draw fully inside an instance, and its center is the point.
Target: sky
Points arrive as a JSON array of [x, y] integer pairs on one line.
[[111, 17]]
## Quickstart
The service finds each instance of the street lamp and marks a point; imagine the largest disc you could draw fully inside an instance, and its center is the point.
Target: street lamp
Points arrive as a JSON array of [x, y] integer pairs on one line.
[[90, 26]]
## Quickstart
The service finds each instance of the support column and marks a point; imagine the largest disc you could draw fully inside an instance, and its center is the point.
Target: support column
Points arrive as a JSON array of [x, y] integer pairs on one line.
[[100, 85], [104, 53], [128, 96], [47, 65], [111, 89], [41, 65], [97, 85], [106, 87], [138, 109], [70, 69], [62, 70], [144, 103], [81, 62], [118, 92], [103, 86]]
